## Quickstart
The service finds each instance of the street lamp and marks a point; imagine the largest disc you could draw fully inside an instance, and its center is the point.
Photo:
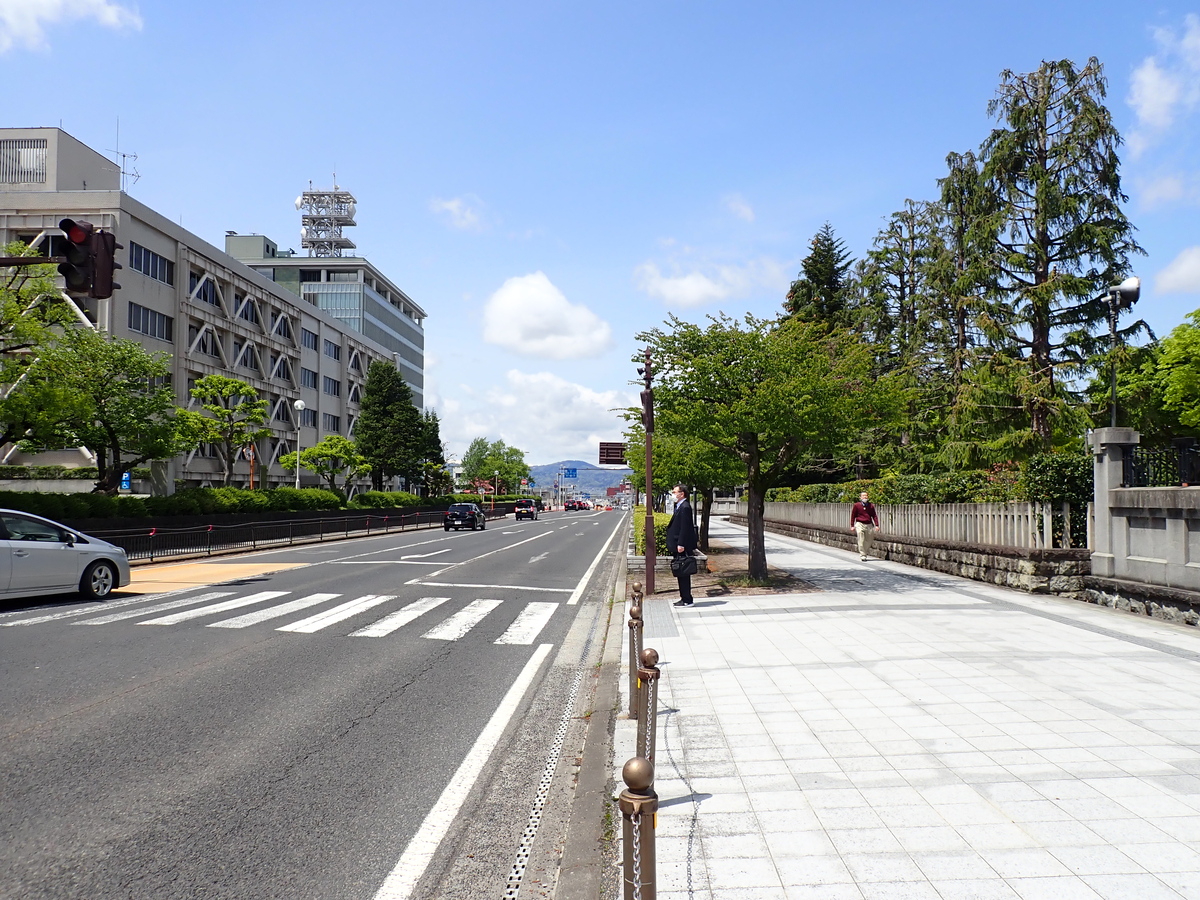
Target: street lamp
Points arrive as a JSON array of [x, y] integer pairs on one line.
[[495, 486], [1119, 297], [298, 406]]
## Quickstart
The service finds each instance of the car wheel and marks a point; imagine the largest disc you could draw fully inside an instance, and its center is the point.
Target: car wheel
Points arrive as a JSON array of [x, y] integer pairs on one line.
[[483, 525], [447, 527], [98, 580]]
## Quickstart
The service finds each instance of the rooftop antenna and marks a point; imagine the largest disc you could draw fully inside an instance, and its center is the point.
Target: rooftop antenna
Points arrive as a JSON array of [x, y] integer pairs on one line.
[[128, 175], [325, 214]]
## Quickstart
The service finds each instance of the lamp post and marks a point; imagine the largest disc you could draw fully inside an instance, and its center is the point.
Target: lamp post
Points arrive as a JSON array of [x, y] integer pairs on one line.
[[495, 486], [1119, 297], [298, 406], [648, 422]]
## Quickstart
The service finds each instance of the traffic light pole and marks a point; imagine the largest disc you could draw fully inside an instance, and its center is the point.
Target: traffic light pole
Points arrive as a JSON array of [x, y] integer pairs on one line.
[[648, 421]]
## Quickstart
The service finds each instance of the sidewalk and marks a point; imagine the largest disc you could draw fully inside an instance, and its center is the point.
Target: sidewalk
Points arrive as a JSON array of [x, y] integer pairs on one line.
[[906, 734]]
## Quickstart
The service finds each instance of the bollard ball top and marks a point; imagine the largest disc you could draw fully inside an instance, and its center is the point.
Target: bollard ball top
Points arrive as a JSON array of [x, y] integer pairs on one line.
[[635, 611], [637, 587], [638, 774], [649, 657]]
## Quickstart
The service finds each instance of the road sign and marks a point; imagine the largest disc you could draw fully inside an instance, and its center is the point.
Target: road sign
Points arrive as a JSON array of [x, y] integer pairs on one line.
[[570, 473], [612, 453], [126, 481]]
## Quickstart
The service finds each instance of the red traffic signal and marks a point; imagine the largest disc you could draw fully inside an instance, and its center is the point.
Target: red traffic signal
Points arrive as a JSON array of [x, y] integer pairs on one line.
[[77, 270]]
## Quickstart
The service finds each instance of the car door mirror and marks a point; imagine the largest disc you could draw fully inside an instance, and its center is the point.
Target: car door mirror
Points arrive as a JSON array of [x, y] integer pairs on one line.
[[69, 538]]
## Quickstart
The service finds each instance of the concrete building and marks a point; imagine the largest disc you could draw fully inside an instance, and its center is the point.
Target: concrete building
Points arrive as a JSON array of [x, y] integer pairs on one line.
[[292, 327]]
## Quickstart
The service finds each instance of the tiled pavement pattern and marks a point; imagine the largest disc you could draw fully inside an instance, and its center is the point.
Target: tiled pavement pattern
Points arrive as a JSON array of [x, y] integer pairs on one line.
[[903, 734]]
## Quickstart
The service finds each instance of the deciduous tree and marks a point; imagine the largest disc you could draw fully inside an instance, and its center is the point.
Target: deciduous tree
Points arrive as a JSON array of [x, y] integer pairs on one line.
[[236, 419]]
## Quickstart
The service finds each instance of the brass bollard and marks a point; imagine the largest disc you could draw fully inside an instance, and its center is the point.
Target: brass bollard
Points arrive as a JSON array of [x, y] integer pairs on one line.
[[639, 810], [648, 674], [636, 626]]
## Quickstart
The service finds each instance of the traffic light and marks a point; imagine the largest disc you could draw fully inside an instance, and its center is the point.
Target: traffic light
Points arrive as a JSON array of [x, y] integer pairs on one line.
[[104, 250], [79, 250]]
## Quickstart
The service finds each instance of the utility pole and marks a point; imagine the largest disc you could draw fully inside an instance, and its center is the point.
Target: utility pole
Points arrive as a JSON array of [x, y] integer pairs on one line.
[[648, 422]]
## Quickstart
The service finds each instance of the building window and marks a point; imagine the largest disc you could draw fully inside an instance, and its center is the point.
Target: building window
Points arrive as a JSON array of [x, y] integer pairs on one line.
[[308, 418], [342, 276], [309, 339], [147, 321], [249, 311], [281, 326], [308, 378], [310, 275], [331, 424], [332, 350], [355, 363], [282, 413], [355, 394], [333, 387], [208, 340], [207, 292], [23, 161], [281, 367], [246, 358], [151, 264]]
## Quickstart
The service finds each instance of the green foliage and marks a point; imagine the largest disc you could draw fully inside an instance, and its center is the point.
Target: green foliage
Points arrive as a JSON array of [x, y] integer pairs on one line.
[[385, 500], [661, 521], [819, 293], [1179, 371], [236, 417], [390, 432], [482, 459], [334, 456]]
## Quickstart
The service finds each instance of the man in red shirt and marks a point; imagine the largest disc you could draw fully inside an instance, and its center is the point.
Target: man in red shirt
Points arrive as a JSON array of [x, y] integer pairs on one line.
[[864, 520]]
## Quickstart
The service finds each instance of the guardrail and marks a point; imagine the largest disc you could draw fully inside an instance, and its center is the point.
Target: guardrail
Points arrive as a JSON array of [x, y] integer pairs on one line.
[[204, 540]]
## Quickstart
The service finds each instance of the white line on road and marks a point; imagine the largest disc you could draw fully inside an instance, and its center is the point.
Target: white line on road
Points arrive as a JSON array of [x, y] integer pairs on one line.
[[71, 613], [385, 562], [494, 587], [403, 879], [400, 617], [481, 556], [423, 555], [273, 612], [592, 568], [538, 558], [215, 608], [529, 624], [462, 621], [337, 614], [157, 608]]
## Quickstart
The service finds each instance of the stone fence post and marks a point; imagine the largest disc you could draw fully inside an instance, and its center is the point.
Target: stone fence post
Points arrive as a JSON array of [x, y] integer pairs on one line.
[[1107, 465]]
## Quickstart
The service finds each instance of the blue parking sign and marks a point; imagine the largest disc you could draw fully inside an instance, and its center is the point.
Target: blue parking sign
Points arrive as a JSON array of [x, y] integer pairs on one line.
[[126, 481]]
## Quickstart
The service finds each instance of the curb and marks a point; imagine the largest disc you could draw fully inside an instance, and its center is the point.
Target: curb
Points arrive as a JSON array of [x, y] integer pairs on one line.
[[583, 866]]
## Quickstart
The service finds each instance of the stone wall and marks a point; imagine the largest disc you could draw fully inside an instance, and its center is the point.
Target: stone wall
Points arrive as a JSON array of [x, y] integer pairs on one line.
[[1057, 571]]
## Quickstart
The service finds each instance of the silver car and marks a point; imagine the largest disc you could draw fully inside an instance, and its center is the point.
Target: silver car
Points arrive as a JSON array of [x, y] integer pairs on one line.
[[38, 556]]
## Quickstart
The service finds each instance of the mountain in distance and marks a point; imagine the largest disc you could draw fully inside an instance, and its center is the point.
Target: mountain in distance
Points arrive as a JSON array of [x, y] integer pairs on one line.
[[591, 479]]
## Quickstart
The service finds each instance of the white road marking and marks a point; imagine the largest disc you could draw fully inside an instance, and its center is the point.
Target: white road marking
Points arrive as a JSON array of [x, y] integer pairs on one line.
[[423, 555], [481, 556], [400, 617], [462, 621], [403, 879], [495, 587], [513, 532], [385, 562], [529, 624], [273, 612], [337, 614], [215, 608], [538, 558], [94, 608], [151, 610], [592, 568]]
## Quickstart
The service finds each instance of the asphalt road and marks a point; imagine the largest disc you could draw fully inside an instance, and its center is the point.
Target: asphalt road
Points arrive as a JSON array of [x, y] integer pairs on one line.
[[287, 735]]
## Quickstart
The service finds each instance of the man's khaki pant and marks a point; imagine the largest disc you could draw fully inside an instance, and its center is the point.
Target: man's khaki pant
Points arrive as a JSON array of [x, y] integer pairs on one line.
[[866, 537]]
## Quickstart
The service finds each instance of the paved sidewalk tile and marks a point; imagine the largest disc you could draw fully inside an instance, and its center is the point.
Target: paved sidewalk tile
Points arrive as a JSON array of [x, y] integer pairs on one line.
[[905, 735]]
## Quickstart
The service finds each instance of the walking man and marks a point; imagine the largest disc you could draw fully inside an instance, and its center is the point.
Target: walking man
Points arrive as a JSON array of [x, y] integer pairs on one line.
[[864, 520], [681, 539]]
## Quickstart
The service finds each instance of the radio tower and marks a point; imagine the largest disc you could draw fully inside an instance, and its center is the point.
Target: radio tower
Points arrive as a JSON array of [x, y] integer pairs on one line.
[[325, 214]]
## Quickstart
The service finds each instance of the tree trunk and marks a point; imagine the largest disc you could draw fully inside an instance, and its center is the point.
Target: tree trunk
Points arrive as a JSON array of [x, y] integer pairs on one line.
[[757, 567], [705, 516]]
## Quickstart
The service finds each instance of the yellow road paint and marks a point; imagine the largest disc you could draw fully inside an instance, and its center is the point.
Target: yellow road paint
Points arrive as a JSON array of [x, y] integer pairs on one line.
[[158, 579]]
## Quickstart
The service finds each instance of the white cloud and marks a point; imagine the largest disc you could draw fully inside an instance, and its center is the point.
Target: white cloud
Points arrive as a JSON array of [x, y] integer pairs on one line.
[[466, 213], [23, 22], [710, 283], [737, 205], [540, 413], [1182, 274], [1161, 191], [1165, 85], [530, 316]]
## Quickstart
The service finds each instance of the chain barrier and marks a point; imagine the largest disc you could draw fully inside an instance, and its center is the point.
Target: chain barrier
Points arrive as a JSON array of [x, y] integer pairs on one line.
[[635, 822], [636, 802]]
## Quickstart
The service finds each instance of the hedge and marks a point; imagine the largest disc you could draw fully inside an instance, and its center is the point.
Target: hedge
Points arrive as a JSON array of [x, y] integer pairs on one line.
[[661, 521]]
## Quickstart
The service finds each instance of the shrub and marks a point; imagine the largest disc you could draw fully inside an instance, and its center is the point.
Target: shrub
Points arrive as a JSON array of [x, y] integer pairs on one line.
[[100, 506], [661, 521], [131, 507], [385, 500]]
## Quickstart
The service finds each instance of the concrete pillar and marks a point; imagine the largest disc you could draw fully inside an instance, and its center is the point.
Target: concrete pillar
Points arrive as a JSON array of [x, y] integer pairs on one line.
[[1107, 464]]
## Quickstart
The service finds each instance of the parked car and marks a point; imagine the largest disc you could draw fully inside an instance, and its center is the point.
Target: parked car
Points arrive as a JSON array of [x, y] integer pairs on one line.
[[525, 509], [465, 515], [40, 557]]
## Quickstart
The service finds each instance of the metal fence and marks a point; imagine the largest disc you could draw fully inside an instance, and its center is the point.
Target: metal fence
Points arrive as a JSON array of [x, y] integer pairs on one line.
[[1161, 467], [204, 540], [1032, 525]]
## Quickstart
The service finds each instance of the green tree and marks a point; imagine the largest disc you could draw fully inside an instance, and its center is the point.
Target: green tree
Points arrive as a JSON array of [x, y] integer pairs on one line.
[[389, 431], [1057, 232], [236, 418], [1179, 371], [767, 393], [121, 405], [333, 457], [819, 293], [482, 459]]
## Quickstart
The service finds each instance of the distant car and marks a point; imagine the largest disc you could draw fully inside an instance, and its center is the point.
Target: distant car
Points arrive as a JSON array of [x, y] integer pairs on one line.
[[465, 515], [570, 505], [41, 556], [526, 509]]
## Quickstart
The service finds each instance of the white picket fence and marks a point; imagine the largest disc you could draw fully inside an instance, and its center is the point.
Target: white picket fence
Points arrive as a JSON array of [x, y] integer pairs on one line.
[[996, 524]]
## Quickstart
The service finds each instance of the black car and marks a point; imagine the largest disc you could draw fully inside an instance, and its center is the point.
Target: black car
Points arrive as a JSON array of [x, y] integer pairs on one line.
[[525, 509], [570, 505], [465, 515]]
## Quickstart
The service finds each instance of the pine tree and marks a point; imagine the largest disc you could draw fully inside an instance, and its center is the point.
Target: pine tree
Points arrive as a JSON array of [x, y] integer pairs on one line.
[[819, 293], [389, 431]]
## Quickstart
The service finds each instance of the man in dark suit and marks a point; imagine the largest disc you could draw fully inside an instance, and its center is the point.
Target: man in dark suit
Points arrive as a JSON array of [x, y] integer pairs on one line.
[[681, 539]]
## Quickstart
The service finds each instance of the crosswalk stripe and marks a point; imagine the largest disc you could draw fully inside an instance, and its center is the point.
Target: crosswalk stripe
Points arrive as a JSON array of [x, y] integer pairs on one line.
[[157, 608], [528, 624], [337, 614], [235, 603], [93, 608], [400, 617], [273, 612], [462, 621]]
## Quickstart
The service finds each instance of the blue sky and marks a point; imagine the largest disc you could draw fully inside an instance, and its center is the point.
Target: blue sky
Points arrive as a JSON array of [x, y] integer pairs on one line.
[[548, 178]]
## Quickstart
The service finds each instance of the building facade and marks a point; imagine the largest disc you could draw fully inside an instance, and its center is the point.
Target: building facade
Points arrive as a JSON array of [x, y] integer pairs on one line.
[[294, 328]]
